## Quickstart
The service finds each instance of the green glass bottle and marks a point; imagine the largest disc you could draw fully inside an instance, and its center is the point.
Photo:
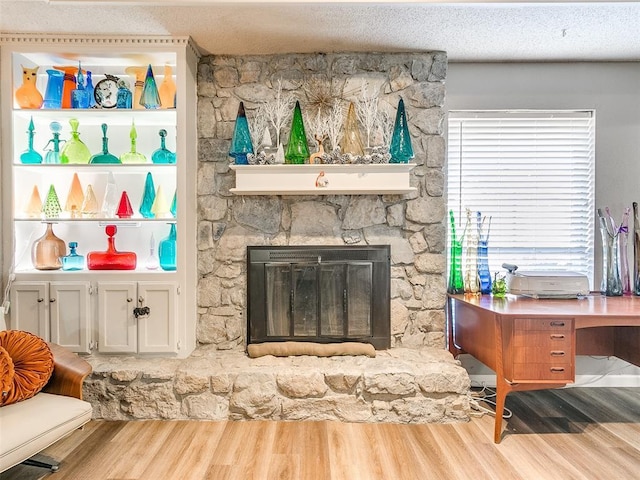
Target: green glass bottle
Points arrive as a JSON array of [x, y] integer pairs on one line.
[[456, 282], [297, 148], [133, 156], [104, 156], [75, 151]]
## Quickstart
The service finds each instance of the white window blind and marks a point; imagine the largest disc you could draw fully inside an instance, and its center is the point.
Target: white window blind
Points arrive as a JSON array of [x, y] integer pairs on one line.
[[533, 173]]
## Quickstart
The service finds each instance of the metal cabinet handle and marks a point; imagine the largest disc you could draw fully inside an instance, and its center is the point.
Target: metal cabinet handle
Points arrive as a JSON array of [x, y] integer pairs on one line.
[[557, 369], [129, 300], [40, 300], [556, 336], [557, 324], [557, 353], [52, 300]]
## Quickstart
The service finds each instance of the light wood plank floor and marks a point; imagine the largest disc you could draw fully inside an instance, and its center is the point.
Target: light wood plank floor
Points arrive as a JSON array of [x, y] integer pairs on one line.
[[576, 433]]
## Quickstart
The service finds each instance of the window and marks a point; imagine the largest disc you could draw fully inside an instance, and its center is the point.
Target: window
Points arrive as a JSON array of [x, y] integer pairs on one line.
[[533, 173]]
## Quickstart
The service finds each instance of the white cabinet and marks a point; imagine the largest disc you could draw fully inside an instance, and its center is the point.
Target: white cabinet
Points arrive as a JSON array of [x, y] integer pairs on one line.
[[104, 57], [59, 312], [137, 317]]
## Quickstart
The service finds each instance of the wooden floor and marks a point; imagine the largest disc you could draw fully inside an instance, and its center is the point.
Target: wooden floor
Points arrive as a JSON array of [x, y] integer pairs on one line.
[[576, 433]]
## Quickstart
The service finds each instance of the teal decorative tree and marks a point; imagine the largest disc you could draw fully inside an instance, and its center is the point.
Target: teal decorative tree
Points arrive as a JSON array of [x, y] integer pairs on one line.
[[174, 204], [241, 143], [401, 149], [297, 148], [150, 97], [148, 197]]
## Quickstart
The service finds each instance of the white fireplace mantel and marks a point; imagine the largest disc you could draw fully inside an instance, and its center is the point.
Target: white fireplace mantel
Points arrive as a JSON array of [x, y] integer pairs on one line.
[[372, 179]]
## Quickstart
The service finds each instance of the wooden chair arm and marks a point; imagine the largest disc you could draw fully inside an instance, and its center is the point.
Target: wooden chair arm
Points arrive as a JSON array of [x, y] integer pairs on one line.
[[69, 372]]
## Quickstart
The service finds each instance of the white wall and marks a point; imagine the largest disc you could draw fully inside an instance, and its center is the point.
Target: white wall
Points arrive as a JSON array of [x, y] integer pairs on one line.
[[613, 90]]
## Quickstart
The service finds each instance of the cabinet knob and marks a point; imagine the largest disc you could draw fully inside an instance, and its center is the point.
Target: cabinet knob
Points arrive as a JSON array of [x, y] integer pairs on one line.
[[52, 300], [129, 300], [140, 299], [40, 300]]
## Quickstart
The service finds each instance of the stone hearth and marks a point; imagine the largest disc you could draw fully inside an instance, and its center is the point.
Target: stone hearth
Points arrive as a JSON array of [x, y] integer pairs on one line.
[[399, 385]]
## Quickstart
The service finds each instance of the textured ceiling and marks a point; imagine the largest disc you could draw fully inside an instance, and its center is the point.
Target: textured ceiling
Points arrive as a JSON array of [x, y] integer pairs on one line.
[[466, 31]]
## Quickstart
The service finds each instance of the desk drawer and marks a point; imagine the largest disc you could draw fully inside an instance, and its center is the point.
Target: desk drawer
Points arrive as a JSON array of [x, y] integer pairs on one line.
[[552, 340], [545, 324], [561, 372], [533, 354]]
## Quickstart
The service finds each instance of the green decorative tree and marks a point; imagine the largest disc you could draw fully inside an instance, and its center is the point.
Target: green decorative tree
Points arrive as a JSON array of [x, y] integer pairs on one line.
[[297, 148], [401, 149], [241, 143]]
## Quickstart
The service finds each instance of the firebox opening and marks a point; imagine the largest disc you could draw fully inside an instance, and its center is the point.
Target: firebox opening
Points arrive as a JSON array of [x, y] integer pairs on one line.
[[319, 294]]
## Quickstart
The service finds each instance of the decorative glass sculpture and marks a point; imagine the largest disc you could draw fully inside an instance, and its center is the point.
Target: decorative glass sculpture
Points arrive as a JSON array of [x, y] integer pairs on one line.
[[90, 90], [351, 141], [75, 198], [174, 204], [104, 156], [623, 243], [73, 261], [148, 196], [30, 155], [152, 262], [133, 156], [167, 89], [162, 155], [53, 92], [53, 156], [456, 284], [51, 207], [111, 259], [297, 148], [48, 250], [124, 207], [160, 207], [484, 275], [125, 97], [167, 250], [636, 249], [75, 151], [471, 281], [110, 199], [401, 149], [241, 143], [90, 204], [69, 83], [611, 284], [139, 73], [499, 287], [27, 95], [150, 98], [79, 95], [34, 207]]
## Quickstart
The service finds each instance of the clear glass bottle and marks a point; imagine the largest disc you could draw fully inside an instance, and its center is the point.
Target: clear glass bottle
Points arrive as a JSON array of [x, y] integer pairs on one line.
[[471, 280], [611, 284], [73, 261], [167, 250], [48, 250], [152, 262], [636, 250]]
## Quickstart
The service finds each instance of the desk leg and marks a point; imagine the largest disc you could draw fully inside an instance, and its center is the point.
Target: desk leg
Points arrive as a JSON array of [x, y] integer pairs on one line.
[[504, 388]]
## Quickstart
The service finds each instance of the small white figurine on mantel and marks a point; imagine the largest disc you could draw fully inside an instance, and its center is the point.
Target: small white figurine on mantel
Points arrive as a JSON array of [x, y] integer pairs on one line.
[[321, 180]]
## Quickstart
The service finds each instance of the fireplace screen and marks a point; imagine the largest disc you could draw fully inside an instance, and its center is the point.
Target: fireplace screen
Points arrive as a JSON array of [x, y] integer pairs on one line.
[[320, 294]]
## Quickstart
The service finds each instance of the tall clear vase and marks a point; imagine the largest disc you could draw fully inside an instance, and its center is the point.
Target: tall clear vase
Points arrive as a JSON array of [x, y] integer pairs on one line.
[[484, 274], [636, 250], [471, 280], [611, 284], [623, 242]]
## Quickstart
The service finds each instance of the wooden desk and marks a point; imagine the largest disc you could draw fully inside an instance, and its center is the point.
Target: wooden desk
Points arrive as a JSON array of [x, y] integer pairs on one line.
[[532, 344]]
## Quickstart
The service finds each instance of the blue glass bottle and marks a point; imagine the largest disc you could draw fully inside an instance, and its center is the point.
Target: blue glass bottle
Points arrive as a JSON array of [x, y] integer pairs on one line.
[[30, 155], [53, 156], [484, 275], [167, 250], [104, 156], [73, 261], [125, 97], [90, 90], [162, 155], [79, 96]]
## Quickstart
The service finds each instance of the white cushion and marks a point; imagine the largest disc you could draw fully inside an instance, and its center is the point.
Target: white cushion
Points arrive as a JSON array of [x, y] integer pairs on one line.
[[30, 426]]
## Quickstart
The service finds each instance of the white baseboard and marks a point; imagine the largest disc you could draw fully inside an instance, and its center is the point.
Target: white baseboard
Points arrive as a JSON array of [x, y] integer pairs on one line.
[[581, 381]]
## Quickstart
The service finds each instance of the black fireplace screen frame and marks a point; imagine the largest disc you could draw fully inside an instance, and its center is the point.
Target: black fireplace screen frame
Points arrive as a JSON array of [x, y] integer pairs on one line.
[[378, 256]]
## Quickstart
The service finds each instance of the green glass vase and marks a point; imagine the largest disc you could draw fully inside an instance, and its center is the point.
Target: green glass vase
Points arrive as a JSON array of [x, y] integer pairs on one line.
[[297, 148], [104, 156], [456, 283], [75, 151], [133, 156]]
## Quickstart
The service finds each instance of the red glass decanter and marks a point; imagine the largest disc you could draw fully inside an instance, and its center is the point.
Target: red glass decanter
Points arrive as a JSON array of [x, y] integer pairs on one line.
[[111, 259]]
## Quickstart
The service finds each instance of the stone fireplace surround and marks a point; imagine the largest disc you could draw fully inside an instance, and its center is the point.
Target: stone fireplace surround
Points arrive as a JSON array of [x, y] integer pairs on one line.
[[417, 380]]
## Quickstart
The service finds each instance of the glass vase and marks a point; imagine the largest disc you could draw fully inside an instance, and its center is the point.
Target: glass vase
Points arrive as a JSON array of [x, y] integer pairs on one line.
[[48, 250], [636, 249], [53, 92], [623, 244], [241, 144], [162, 155], [611, 284], [30, 155], [471, 280], [139, 74], [400, 148], [297, 148], [27, 95], [80, 95], [167, 250], [484, 274], [133, 156], [69, 83], [73, 261], [104, 156], [53, 156], [75, 151], [152, 262], [167, 89], [111, 259], [455, 284]]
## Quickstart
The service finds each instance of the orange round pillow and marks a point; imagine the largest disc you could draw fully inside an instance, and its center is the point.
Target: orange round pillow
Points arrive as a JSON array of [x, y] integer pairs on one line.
[[32, 364], [6, 373]]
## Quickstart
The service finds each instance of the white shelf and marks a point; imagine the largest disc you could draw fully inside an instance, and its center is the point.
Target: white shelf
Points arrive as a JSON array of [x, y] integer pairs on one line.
[[373, 179]]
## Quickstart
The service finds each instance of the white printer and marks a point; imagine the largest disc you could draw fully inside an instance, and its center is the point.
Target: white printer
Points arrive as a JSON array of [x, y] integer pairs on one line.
[[546, 284]]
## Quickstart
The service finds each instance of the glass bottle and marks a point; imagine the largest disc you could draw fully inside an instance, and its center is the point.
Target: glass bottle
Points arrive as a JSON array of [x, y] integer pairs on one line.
[[148, 197], [484, 274], [636, 249], [27, 95], [351, 141], [47, 251], [125, 97], [111, 259], [69, 83], [162, 155], [167, 89], [104, 156], [30, 155], [91, 91], [471, 281], [400, 148], [75, 198], [455, 284], [623, 243], [51, 207], [611, 285], [124, 207], [73, 261], [133, 156], [139, 74], [53, 156], [79, 95], [167, 250], [297, 148], [152, 262], [75, 151], [241, 143], [150, 98], [53, 92]]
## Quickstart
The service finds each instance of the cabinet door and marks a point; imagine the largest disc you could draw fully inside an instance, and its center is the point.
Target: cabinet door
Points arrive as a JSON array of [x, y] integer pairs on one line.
[[29, 308], [70, 311], [117, 329], [157, 330]]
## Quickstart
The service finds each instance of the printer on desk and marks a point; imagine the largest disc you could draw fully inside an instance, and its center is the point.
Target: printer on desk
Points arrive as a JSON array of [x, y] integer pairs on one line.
[[546, 284]]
